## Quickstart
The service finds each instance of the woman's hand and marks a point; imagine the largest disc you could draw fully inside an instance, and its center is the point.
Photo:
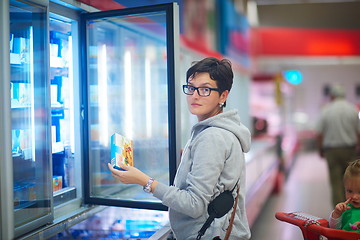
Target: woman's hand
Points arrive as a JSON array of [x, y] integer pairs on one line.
[[131, 175], [340, 208]]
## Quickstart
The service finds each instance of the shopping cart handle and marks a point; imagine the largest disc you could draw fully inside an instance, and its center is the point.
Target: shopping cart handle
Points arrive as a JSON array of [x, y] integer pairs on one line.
[[333, 234], [300, 219], [313, 227]]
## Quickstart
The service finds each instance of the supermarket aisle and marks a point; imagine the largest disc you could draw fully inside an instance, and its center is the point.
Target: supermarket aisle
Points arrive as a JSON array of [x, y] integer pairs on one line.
[[307, 189]]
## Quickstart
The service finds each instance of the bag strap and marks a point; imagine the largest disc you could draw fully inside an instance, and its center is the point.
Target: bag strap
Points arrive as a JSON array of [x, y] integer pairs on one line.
[[229, 229]]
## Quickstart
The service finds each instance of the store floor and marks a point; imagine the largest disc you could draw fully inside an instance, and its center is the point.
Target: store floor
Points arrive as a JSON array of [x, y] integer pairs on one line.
[[306, 189]]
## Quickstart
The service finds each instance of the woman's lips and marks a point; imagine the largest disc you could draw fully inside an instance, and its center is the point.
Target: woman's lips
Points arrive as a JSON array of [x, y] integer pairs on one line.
[[195, 105]]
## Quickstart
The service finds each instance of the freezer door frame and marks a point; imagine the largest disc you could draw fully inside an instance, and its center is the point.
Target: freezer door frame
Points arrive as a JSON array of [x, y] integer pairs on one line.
[[172, 39], [6, 174]]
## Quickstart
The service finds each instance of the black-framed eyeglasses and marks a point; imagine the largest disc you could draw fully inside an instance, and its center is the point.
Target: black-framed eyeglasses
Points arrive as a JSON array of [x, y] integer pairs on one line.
[[202, 91]]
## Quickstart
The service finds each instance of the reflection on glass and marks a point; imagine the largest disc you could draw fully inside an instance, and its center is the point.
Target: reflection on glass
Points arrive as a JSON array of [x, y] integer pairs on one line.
[[128, 94], [29, 113]]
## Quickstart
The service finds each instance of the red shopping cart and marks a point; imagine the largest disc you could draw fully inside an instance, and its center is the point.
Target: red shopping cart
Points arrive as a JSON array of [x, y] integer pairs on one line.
[[313, 228]]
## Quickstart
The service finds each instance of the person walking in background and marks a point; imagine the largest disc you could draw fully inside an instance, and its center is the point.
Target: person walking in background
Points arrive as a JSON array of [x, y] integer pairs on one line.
[[346, 215], [338, 134], [212, 162]]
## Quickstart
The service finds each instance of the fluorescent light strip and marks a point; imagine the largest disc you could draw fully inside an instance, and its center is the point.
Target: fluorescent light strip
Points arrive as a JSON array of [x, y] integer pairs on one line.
[[128, 95], [32, 85], [103, 127], [148, 102]]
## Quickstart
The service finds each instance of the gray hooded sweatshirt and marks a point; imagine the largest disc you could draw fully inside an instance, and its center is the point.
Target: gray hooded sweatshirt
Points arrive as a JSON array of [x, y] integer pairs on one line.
[[212, 162]]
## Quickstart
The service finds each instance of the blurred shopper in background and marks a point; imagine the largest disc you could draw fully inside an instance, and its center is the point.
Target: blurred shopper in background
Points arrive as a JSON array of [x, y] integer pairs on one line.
[[338, 130]]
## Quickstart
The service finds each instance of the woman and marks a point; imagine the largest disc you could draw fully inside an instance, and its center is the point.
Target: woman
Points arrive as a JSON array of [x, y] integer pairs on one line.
[[212, 161]]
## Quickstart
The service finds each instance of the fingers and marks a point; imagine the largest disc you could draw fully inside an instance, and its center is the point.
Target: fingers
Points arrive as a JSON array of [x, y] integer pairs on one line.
[[128, 174], [123, 166], [111, 168], [343, 208], [117, 168], [348, 200], [344, 204]]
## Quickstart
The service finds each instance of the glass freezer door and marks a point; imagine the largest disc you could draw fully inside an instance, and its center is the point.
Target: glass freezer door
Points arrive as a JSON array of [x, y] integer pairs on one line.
[[129, 91], [30, 116]]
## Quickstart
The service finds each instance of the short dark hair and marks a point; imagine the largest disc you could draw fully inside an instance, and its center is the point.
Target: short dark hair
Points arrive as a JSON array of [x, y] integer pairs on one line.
[[219, 71]]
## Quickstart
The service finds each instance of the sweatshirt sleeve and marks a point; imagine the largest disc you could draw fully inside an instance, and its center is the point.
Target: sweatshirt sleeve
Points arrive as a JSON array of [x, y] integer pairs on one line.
[[207, 165], [335, 222]]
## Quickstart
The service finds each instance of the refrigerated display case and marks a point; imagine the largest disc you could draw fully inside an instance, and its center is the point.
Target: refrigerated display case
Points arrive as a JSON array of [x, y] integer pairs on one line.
[[118, 223], [30, 122], [130, 89], [128, 60], [30, 131], [64, 80], [62, 94]]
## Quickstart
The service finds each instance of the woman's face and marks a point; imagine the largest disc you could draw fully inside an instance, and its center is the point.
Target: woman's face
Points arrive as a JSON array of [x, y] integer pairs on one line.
[[205, 107], [352, 190]]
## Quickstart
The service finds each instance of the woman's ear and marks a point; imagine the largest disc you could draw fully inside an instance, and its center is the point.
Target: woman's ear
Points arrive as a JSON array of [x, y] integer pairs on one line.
[[224, 96]]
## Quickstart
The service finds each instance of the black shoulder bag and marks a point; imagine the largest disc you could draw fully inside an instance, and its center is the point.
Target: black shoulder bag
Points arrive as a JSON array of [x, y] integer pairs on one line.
[[218, 208]]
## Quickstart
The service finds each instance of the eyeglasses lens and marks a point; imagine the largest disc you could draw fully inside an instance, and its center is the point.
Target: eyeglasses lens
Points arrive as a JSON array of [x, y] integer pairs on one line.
[[202, 91]]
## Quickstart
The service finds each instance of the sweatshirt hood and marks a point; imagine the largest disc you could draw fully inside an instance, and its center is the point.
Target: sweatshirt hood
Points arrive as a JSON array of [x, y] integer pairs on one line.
[[229, 120]]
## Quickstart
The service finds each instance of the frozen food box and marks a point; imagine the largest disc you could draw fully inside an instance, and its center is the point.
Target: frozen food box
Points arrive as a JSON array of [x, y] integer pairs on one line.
[[57, 183], [122, 151]]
